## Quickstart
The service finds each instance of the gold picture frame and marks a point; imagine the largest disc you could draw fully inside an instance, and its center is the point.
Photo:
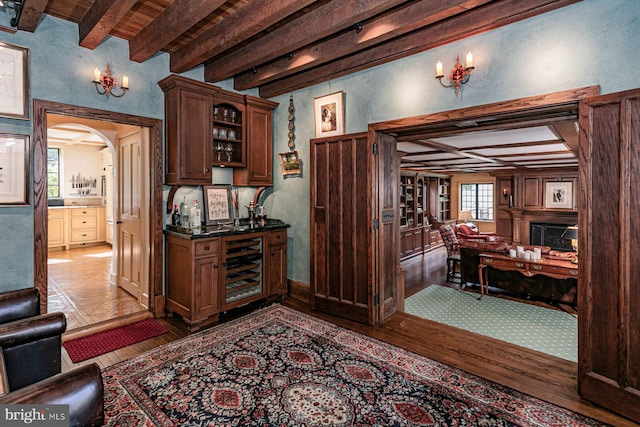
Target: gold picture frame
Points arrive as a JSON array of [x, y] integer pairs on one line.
[[291, 164], [14, 169], [14, 89], [329, 114]]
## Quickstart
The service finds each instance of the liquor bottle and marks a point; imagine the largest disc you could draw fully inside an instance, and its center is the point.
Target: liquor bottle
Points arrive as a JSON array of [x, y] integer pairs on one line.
[[196, 215], [175, 217], [185, 213]]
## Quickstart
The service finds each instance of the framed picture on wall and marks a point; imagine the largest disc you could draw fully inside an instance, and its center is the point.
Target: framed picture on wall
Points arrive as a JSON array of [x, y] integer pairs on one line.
[[14, 169], [558, 195], [14, 85], [329, 114], [217, 204]]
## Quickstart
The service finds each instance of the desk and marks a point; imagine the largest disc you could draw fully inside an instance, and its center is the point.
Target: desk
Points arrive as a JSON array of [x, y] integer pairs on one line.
[[556, 269]]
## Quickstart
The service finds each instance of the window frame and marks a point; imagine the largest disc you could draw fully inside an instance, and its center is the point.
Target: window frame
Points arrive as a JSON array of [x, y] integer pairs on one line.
[[60, 189], [475, 212]]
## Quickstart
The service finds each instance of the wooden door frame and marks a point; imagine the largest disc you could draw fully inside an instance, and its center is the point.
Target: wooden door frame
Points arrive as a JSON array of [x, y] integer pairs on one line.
[[516, 109], [40, 110]]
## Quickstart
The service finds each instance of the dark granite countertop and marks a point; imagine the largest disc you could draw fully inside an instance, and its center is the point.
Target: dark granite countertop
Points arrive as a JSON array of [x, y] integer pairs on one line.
[[225, 230]]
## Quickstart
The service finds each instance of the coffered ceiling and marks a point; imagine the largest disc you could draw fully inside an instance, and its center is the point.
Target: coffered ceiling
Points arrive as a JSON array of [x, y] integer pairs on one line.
[[551, 145], [279, 45]]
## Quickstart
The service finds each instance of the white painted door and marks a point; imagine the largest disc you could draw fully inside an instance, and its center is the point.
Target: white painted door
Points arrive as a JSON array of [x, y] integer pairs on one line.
[[131, 207]]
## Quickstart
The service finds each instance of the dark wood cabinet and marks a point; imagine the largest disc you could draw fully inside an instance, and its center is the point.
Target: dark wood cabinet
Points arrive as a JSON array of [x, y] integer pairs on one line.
[[207, 127], [192, 277], [277, 264], [259, 166], [206, 276], [188, 112]]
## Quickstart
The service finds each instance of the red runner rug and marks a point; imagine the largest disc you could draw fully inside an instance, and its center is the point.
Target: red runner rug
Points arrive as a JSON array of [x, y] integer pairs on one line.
[[280, 367], [103, 342]]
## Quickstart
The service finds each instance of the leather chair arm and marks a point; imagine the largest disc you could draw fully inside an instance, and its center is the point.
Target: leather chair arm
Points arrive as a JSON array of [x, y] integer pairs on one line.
[[32, 329], [32, 348], [19, 304], [81, 388]]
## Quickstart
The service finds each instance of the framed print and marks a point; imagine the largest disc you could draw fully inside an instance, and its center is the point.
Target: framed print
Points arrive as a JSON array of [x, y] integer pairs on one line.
[[290, 163], [14, 169], [558, 195], [329, 114], [14, 84], [217, 202]]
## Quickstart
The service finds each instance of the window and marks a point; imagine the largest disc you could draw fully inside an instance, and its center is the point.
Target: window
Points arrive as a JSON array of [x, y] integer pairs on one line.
[[477, 198], [53, 173]]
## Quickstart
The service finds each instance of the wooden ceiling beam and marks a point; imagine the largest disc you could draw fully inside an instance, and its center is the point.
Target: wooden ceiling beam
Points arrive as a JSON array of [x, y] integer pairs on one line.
[[100, 19], [476, 21], [175, 20], [415, 15], [324, 21], [249, 20], [30, 14]]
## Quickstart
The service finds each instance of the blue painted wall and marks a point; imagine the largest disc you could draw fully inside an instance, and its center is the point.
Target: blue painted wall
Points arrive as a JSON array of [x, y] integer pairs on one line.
[[590, 43]]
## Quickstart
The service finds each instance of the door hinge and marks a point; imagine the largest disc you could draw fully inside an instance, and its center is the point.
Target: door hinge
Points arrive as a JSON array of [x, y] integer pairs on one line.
[[375, 223], [375, 149], [376, 299]]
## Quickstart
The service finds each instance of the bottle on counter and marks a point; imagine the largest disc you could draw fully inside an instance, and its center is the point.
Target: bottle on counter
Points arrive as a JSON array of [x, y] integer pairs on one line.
[[185, 214], [196, 215], [175, 216]]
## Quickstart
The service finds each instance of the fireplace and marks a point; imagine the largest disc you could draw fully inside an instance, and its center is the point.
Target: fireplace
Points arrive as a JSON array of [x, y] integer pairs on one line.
[[545, 234]]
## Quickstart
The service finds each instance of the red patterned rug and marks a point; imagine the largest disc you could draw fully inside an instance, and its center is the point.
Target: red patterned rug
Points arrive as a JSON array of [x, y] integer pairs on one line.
[[103, 342], [279, 367]]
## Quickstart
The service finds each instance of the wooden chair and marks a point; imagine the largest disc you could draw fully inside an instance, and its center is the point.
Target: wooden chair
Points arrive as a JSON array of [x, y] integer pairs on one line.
[[452, 244]]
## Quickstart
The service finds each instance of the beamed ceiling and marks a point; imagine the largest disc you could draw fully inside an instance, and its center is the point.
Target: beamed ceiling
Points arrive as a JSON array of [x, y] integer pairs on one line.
[[281, 45]]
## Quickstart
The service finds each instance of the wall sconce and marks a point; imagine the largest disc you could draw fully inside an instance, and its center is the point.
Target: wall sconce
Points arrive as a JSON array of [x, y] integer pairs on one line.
[[106, 84], [459, 75], [505, 193]]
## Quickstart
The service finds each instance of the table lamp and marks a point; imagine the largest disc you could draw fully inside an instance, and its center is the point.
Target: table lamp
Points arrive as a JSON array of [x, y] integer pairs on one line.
[[571, 233], [464, 216]]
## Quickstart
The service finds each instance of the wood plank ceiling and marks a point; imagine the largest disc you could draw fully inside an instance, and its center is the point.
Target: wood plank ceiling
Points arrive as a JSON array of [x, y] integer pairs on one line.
[[281, 45]]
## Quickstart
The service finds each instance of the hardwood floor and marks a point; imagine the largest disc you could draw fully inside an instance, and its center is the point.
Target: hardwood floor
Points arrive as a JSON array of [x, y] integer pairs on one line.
[[545, 377], [78, 281]]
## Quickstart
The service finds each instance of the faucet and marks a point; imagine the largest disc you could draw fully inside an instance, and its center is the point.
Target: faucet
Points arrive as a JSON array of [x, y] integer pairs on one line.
[[252, 210]]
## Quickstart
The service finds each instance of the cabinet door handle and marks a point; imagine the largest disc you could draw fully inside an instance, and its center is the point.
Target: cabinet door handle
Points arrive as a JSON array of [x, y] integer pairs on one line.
[[206, 248], [84, 222], [251, 172], [206, 170], [215, 266]]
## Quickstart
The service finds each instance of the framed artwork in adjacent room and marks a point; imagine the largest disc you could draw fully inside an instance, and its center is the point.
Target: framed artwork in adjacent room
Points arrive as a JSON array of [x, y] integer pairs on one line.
[[558, 195], [14, 169], [217, 204], [329, 114], [14, 84]]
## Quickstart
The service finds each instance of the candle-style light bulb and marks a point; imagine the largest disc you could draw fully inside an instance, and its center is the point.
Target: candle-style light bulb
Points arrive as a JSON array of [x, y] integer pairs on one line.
[[96, 75], [125, 82], [439, 69], [469, 60]]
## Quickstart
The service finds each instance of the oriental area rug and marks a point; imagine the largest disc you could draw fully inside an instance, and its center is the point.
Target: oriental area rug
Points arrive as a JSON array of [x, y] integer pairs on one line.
[[280, 367]]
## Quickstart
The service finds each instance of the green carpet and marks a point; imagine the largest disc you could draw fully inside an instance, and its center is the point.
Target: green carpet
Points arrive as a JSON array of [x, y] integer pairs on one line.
[[549, 331]]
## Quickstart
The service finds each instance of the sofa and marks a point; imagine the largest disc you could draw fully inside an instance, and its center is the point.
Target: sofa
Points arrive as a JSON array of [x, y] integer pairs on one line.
[[468, 230]]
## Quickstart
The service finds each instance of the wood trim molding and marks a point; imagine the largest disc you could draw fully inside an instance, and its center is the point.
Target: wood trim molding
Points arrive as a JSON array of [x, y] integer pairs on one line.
[[40, 110]]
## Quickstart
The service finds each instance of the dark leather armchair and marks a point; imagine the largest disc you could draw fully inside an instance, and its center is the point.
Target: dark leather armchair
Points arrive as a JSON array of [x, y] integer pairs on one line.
[[32, 348], [82, 389], [31, 344], [19, 304]]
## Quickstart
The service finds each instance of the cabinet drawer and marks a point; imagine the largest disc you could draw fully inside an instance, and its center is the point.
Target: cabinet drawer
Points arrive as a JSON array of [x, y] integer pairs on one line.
[[56, 213], [84, 212], [277, 237], [81, 236], [550, 269], [83, 222], [207, 247]]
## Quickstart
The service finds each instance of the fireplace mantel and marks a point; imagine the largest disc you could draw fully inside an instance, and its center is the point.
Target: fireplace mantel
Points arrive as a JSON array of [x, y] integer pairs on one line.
[[521, 220]]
